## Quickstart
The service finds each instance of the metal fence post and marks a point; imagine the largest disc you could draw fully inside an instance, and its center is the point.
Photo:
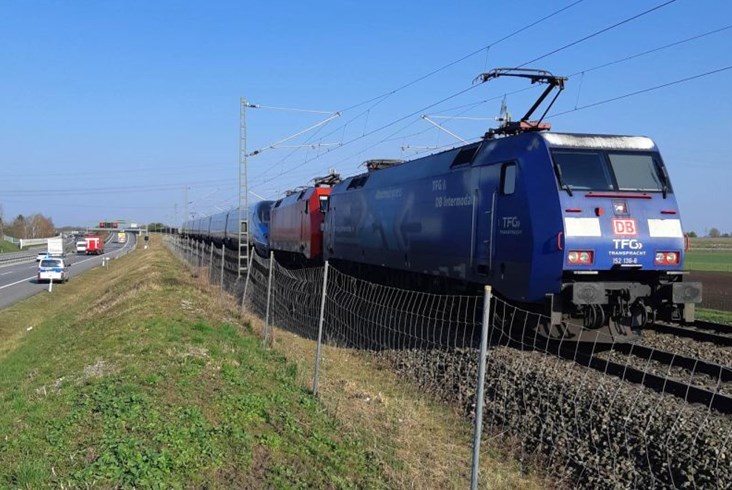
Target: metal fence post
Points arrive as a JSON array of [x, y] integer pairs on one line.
[[320, 329], [210, 264], [269, 295], [223, 255], [481, 388], [246, 281]]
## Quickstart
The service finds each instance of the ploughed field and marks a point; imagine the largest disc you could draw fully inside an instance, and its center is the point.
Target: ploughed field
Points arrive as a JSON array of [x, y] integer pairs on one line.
[[717, 292]]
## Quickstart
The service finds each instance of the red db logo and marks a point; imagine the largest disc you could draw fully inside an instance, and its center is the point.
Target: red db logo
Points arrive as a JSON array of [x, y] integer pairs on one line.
[[625, 227]]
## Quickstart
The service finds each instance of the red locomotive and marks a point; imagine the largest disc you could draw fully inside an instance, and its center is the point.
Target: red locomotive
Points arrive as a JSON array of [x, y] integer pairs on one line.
[[296, 226]]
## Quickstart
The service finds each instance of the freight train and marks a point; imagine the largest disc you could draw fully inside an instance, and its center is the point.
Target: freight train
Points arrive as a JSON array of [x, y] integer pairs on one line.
[[582, 227]]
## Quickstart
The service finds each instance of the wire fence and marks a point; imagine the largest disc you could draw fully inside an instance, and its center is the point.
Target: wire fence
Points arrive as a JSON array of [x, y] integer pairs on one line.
[[602, 416]]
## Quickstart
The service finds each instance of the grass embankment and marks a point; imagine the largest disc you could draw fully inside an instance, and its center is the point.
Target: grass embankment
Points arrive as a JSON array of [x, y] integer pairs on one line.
[[142, 376], [6, 246]]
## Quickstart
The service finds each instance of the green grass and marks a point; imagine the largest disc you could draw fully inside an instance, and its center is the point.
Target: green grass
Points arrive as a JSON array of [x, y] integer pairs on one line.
[[140, 375], [7, 247], [709, 260], [716, 316], [138, 382]]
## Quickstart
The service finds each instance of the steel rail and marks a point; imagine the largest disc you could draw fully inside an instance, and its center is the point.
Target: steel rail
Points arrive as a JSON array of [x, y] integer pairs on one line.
[[716, 333], [662, 384]]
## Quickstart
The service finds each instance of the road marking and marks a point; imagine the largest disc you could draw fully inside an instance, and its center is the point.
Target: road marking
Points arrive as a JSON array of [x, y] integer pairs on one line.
[[17, 282], [6, 273]]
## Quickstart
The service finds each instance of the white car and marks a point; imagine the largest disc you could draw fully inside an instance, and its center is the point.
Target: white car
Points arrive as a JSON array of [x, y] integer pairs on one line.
[[53, 269], [41, 256]]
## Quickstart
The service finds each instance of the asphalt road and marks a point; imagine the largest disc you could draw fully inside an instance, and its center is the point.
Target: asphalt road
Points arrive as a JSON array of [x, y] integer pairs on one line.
[[18, 281]]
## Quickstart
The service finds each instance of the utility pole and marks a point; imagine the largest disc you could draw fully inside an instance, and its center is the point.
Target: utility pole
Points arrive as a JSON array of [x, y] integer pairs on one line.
[[185, 200], [243, 251]]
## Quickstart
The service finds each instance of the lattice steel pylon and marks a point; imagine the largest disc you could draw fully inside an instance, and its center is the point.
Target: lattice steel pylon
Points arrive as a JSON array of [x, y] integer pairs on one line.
[[243, 251]]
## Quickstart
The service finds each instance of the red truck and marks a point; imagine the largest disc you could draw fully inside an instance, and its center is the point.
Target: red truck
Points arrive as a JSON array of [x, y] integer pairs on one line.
[[94, 244]]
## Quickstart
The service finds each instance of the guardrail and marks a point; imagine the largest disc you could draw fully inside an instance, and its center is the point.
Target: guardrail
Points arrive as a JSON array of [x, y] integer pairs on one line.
[[17, 257]]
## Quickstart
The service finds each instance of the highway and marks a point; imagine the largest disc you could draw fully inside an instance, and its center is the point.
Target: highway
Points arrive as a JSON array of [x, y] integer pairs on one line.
[[18, 281]]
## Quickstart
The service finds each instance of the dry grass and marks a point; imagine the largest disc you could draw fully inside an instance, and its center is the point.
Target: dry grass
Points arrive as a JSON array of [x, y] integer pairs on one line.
[[431, 443]]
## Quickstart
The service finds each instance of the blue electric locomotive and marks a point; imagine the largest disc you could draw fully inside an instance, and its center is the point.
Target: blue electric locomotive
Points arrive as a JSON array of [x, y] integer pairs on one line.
[[586, 226], [259, 218]]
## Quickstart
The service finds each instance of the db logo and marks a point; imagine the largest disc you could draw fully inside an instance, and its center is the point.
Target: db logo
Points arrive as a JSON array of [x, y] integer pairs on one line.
[[625, 227]]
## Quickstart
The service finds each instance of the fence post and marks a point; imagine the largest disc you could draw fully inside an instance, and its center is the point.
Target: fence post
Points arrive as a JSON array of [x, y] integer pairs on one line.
[[320, 329], [246, 281], [480, 390], [223, 256], [269, 295], [210, 264]]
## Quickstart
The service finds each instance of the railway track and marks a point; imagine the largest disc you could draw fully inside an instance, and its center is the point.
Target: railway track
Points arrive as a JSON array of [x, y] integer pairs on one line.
[[717, 333], [693, 380]]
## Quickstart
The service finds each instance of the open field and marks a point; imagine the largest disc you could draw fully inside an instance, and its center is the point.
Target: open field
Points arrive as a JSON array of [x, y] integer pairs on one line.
[[709, 260], [710, 243], [140, 375]]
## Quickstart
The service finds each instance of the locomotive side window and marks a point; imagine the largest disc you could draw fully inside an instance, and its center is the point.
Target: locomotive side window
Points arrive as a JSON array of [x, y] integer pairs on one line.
[[508, 178], [357, 182], [466, 155], [635, 172], [583, 170]]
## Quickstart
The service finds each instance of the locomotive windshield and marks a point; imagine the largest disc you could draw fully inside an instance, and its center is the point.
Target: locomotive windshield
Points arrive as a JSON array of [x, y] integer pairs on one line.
[[264, 214], [609, 171]]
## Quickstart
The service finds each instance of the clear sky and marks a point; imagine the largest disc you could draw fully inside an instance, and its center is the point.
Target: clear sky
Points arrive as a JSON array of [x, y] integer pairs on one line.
[[122, 109]]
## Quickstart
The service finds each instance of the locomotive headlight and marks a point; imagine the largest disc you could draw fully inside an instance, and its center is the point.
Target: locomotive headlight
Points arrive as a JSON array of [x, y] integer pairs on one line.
[[580, 257], [667, 258]]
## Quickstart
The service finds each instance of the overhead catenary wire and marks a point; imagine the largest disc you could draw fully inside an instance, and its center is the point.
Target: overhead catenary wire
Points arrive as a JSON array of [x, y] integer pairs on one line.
[[597, 33], [566, 46], [379, 99], [643, 91]]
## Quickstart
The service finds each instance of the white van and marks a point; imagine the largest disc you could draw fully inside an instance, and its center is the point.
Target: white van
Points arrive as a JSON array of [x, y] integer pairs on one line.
[[81, 247], [53, 269]]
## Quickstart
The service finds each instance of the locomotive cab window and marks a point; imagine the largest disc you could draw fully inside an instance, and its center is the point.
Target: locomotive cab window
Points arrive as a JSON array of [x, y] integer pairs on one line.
[[583, 170], [610, 171], [508, 178], [323, 204], [635, 172]]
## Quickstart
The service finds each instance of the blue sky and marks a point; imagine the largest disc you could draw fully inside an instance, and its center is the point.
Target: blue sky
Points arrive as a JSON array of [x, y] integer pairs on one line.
[[121, 109]]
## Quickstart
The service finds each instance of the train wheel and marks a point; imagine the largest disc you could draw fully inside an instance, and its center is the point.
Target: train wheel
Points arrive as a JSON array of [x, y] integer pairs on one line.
[[594, 317]]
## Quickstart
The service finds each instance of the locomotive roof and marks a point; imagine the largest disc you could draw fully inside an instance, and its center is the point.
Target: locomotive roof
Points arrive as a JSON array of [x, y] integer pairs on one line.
[[600, 141]]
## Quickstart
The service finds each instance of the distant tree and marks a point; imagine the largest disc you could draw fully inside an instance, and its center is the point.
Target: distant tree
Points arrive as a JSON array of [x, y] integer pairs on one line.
[[17, 227], [156, 227], [725, 235], [2, 223], [40, 226], [692, 234], [33, 226], [714, 233]]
